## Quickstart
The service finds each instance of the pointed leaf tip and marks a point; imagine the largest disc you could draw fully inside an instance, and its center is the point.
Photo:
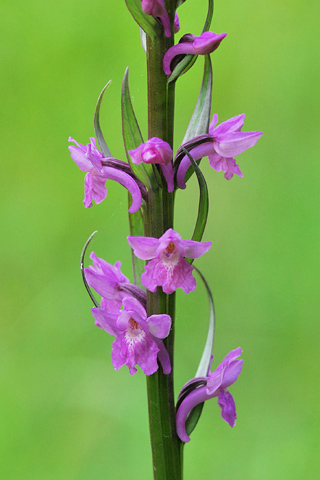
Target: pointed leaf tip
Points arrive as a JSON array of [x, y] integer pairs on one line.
[[96, 122]]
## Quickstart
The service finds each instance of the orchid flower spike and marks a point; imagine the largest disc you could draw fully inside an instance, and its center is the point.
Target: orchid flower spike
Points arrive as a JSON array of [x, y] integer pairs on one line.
[[99, 169], [224, 142], [157, 8], [109, 282], [138, 337], [168, 267], [157, 151], [214, 385], [206, 43]]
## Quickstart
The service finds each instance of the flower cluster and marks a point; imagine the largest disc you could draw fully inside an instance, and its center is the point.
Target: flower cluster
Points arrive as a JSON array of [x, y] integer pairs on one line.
[[140, 315]]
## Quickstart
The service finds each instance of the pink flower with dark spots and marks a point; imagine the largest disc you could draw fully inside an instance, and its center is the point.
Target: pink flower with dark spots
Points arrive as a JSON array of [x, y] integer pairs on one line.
[[167, 266], [138, 337]]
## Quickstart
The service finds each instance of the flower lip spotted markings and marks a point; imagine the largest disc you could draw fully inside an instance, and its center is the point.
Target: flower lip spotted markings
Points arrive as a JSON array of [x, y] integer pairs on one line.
[[138, 337], [168, 267]]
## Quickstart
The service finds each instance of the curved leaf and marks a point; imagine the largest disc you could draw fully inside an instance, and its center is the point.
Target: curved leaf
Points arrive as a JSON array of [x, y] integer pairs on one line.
[[203, 209], [145, 21], [209, 17], [96, 122], [194, 417], [96, 304], [205, 361], [200, 120], [182, 67], [132, 137]]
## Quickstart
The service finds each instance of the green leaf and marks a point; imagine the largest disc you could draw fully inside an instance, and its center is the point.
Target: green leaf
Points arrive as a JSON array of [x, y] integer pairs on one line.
[[205, 361], [96, 122], [199, 123], [203, 208], [132, 137], [95, 302], [182, 67], [207, 352], [209, 17], [193, 418], [146, 22]]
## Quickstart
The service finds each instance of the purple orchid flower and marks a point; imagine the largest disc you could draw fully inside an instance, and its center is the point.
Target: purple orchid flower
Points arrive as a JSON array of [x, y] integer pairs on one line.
[[224, 142], [206, 43], [157, 151], [99, 169], [214, 385], [138, 337], [167, 266], [157, 8], [111, 284]]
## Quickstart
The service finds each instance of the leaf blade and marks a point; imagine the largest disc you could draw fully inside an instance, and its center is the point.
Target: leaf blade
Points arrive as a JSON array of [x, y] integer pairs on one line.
[[96, 122], [145, 21]]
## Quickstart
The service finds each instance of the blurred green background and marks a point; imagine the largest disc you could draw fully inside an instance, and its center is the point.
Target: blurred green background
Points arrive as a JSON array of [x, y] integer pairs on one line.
[[65, 413]]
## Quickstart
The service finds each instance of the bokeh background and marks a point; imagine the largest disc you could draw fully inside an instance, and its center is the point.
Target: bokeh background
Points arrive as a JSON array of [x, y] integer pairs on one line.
[[65, 413]]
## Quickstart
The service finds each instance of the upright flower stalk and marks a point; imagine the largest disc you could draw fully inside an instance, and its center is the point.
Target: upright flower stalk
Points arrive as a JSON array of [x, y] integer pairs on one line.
[[140, 315]]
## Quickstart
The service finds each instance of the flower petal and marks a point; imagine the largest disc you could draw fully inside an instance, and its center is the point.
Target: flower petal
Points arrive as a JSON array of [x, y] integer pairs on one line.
[[159, 325], [178, 49], [195, 249], [168, 174], [144, 247], [233, 124], [132, 304], [141, 350], [128, 182], [231, 373], [232, 144], [163, 357], [105, 320], [94, 189], [197, 152], [207, 42], [228, 407]]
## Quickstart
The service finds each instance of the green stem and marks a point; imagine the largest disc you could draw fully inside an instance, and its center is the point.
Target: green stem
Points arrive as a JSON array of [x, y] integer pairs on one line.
[[161, 403]]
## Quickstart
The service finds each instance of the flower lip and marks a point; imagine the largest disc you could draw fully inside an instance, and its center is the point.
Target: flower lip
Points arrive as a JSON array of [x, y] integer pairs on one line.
[[138, 338], [167, 265]]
